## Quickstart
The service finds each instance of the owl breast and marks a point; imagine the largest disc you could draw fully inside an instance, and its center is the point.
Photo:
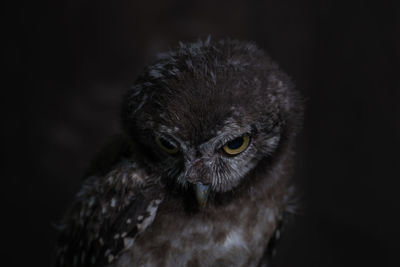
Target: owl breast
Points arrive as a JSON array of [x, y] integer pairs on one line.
[[218, 236]]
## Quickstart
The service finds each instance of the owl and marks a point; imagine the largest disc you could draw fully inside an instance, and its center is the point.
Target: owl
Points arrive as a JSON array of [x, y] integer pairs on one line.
[[200, 175]]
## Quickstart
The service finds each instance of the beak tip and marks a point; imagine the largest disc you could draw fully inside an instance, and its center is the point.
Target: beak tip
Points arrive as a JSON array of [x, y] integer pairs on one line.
[[202, 192]]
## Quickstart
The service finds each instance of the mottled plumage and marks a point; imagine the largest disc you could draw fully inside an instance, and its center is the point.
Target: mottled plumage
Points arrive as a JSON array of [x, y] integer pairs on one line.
[[200, 175]]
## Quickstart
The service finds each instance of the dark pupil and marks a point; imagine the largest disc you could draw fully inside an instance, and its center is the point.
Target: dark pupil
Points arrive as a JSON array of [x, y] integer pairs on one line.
[[236, 143], [167, 144]]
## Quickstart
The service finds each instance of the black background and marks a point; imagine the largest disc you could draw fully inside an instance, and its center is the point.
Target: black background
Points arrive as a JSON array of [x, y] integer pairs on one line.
[[69, 63]]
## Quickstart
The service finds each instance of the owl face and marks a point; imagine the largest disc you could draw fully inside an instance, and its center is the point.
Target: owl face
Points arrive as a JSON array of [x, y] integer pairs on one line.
[[207, 115], [221, 160]]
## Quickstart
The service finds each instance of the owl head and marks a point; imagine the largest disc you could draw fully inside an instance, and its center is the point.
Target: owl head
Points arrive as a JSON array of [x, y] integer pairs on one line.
[[206, 115]]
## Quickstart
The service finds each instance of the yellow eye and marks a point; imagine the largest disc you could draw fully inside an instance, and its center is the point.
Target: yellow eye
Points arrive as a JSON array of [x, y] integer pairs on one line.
[[167, 146], [237, 145]]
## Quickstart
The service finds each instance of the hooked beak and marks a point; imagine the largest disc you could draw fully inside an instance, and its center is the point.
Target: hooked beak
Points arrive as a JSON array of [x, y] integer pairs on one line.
[[202, 192]]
